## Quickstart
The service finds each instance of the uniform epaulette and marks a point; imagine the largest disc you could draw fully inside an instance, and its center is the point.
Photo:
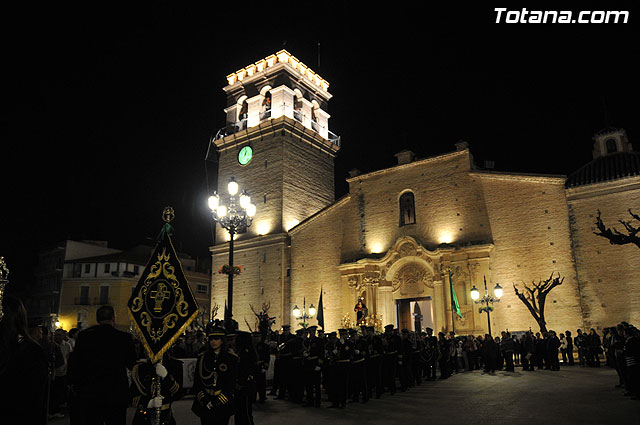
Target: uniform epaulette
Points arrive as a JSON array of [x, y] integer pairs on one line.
[[135, 377]]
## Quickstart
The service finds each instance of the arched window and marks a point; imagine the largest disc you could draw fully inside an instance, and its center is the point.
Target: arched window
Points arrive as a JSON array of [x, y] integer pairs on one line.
[[266, 106], [297, 107], [611, 146], [407, 209], [243, 115]]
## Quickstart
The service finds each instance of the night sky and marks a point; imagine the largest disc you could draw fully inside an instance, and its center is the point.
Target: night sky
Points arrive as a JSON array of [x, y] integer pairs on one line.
[[110, 110]]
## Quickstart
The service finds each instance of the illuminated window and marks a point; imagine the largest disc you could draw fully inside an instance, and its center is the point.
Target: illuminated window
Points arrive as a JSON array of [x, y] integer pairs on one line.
[[297, 108], [266, 106], [243, 115], [407, 209]]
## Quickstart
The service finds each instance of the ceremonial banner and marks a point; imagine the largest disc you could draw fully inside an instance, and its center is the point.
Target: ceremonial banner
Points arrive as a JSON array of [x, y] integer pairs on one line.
[[162, 304], [320, 316], [454, 300]]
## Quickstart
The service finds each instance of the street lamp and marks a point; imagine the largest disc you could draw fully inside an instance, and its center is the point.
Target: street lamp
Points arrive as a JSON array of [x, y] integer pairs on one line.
[[303, 314], [235, 218], [488, 300]]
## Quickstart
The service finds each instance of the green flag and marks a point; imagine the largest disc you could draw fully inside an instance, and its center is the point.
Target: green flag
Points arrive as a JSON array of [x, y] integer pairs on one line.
[[454, 300]]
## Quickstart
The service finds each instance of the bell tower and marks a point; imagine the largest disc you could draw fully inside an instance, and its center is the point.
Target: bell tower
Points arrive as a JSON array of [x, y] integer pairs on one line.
[[277, 146]]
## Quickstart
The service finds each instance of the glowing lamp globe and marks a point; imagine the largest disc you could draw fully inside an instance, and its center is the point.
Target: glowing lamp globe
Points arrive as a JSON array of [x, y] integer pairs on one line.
[[475, 294], [497, 290]]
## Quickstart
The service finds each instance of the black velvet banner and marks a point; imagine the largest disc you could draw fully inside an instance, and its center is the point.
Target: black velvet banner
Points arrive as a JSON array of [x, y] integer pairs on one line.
[[162, 305]]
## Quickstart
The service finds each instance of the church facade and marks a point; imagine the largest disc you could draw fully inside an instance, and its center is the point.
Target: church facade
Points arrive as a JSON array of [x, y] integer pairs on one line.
[[403, 237]]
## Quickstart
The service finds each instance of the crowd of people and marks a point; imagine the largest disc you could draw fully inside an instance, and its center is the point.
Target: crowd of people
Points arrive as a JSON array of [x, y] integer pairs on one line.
[[86, 372]]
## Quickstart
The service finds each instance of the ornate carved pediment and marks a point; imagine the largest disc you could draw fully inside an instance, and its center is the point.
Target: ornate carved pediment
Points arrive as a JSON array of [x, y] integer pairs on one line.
[[407, 249], [371, 278], [412, 278], [361, 281]]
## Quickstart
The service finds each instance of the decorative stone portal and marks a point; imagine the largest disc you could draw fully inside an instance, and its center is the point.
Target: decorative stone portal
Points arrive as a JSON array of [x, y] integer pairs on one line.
[[408, 275]]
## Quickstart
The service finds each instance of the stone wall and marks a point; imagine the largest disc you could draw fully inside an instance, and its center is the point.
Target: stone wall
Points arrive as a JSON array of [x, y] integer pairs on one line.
[[609, 274], [316, 248], [448, 203], [263, 279], [530, 229]]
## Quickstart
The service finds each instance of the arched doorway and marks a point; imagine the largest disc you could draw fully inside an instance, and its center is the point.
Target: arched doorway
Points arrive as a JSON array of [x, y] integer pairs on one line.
[[412, 289]]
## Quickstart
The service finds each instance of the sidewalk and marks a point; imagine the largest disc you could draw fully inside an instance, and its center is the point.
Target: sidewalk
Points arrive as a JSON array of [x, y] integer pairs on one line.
[[574, 395]]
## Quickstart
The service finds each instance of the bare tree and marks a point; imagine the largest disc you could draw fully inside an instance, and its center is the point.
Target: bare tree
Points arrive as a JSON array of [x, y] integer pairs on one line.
[[535, 297], [618, 238], [263, 320]]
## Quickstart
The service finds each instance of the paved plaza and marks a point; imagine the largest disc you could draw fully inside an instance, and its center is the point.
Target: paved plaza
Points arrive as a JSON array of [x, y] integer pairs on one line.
[[575, 395]]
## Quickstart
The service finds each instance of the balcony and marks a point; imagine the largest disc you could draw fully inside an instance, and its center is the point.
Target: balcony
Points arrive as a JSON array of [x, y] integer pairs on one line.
[[101, 301], [287, 111]]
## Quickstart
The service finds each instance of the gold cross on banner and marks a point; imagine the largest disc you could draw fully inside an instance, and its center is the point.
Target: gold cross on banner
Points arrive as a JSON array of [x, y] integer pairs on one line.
[[159, 295]]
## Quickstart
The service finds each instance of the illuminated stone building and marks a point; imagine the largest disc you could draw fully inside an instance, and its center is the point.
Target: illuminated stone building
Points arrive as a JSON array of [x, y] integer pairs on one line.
[[396, 234], [109, 278]]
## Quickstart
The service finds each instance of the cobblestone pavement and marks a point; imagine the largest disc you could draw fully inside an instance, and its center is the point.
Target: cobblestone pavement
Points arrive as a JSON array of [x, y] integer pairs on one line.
[[575, 395]]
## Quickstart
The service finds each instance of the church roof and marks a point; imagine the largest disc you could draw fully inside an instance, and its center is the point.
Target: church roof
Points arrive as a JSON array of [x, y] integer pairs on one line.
[[606, 168]]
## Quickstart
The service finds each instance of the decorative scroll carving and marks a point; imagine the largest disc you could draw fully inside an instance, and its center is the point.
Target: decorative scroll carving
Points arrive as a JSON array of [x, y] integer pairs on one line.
[[354, 282], [371, 278], [407, 249], [412, 278], [361, 281]]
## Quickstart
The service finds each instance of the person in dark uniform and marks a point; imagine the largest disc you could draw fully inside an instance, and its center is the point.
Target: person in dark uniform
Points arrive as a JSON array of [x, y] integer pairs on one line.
[[343, 351], [404, 360], [282, 367], [540, 350], [390, 361], [98, 371], [247, 369], [443, 356], [416, 358], [527, 352], [569, 339], [431, 354], [145, 378], [264, 356], [330, 357], [313, 360], [295, 372], [215, 380], [375, 375], [23, 368], [490, 353], [358, 371], [553, 344]]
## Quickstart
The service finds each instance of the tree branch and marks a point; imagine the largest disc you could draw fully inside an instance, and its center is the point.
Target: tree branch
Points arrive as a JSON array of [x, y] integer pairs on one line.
[[616, 237]]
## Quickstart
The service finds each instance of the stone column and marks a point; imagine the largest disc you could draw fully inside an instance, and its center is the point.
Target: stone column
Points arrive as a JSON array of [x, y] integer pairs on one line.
[[386, 305], [439, 303]]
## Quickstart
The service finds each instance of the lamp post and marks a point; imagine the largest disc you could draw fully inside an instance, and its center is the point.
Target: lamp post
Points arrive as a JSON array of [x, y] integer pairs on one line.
[[235, 218], [487, 300], [303, 314]]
